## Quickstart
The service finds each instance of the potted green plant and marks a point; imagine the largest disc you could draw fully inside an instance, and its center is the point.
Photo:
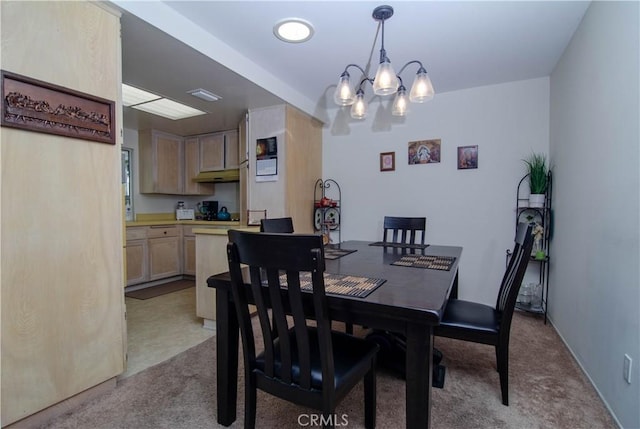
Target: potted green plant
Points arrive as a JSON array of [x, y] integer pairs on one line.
[[538, 173]]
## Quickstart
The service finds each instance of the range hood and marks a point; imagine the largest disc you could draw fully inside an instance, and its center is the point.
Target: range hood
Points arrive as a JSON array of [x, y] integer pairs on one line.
[[218, 176]]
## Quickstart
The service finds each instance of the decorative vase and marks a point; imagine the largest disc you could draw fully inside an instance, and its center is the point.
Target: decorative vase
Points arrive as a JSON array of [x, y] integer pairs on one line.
[[536, 200], [538, 252]]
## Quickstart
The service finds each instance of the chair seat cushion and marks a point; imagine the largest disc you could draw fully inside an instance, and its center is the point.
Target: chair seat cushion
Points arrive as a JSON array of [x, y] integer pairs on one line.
[[352, 358], [469, 316]]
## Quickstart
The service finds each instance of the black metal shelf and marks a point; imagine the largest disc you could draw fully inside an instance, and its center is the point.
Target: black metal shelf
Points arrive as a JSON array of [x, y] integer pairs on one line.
[[330, 189], [544, 217]]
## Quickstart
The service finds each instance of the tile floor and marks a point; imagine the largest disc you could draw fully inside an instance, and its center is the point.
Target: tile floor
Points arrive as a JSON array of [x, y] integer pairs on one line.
[[161, 327]]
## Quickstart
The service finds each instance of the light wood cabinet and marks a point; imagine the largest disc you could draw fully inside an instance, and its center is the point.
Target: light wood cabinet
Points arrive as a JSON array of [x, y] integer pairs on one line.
[[192, 168], [211, 152], [165, 252], [219, 151], [161, 162], [169, 163], [231, 150], [137, 253], [188, 251], [154, 253]]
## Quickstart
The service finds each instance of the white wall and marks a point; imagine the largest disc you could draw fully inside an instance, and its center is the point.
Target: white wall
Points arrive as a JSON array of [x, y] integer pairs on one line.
[[595, 298], [225, 193], [470, 208]]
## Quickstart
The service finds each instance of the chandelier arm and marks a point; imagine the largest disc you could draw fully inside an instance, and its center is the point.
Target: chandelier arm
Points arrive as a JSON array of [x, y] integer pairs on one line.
[[409, 63], [356, 66], [364, 79]]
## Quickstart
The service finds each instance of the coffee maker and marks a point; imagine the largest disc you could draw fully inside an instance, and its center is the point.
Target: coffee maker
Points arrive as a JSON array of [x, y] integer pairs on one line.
[[209, 210]]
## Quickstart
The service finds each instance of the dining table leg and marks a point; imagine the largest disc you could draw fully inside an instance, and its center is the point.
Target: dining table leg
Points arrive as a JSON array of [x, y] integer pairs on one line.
[[227, 333], [419, 364]]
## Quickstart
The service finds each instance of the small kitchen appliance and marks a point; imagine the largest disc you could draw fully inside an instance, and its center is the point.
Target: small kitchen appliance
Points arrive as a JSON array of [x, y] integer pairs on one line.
[[208, 210], [184, 214]]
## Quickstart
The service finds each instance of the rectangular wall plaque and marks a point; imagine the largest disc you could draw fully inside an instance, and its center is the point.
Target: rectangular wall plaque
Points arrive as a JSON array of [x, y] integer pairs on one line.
[[38, 106]]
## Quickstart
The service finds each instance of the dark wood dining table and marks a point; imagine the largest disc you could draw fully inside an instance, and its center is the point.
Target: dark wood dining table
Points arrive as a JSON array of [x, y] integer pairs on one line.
[[411, 302]]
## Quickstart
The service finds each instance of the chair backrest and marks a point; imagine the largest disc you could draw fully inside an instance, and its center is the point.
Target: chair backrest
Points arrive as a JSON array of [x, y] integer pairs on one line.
[[280, 224], [272, 257], [513, 276], [404, 229]]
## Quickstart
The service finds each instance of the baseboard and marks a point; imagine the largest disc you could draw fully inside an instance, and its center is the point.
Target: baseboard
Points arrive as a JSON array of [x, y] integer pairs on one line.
[[209, 324], [586, 374], [41, 417]]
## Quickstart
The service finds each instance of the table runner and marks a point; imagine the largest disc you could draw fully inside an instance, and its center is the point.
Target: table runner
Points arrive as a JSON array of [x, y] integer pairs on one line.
[[332, 253], [432, 262], [337, 284]]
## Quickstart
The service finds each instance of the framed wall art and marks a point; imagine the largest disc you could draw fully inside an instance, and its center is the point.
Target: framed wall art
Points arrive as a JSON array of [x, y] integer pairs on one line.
[[33, 105], [424, 152], [467, 157], [387, 161]]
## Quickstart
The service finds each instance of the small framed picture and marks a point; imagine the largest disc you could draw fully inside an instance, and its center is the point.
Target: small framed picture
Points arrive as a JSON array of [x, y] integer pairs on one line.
[[424, 151], [387, 161], [467, 157]]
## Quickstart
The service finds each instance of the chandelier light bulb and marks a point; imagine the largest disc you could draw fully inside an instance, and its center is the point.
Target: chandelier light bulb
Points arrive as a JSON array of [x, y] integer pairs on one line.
[[422, 89], [344, 94], [359, 107], [400, 104], [385, 82]]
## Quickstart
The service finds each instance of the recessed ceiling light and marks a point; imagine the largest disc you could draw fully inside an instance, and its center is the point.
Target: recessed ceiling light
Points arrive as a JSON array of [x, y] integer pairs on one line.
[[203, 94], [293, 30]]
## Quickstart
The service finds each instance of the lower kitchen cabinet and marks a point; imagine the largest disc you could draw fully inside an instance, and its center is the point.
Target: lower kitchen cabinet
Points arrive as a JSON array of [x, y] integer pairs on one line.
[[188, 251], [137, 262], [153, 253]]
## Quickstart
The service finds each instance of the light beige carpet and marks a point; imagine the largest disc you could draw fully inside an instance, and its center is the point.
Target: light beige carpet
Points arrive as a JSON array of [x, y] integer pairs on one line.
[[547, 390]]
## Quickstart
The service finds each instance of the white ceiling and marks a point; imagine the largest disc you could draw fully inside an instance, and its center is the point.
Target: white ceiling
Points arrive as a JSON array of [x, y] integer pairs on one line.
[[234, 53]]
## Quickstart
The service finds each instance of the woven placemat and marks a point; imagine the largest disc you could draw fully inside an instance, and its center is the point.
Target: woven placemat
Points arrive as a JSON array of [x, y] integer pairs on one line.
[[431, 262], [331, 253], [338, 284], [399, 245]]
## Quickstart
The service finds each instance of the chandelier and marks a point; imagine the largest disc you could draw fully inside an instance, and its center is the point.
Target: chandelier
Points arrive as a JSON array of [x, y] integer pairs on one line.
[[385, 82]]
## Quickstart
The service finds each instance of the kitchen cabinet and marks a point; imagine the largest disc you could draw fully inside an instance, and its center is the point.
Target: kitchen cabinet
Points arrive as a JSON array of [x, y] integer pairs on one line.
[[137, 256], [219, 151], [165, 251], [189, 251], [169, 163], [153, 253], [161, 162], [192, 168], [211, 152]]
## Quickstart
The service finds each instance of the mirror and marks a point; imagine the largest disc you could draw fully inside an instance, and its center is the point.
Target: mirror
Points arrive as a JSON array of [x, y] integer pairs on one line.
[[127, 182]]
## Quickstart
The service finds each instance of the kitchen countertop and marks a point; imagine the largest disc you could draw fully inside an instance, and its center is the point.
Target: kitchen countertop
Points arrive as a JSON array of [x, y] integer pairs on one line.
[[151, 219], [202, 223], [223, 230]]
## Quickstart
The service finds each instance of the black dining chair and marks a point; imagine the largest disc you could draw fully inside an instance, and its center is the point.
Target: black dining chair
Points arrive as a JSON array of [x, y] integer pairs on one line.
[[481, 323], [302, 362], [404, 229], [280, 224]]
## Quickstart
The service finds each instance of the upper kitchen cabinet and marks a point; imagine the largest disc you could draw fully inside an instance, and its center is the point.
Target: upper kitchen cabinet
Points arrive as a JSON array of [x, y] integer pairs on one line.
[[161, 163], [169, 163], [192, 168], [219, 151]]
